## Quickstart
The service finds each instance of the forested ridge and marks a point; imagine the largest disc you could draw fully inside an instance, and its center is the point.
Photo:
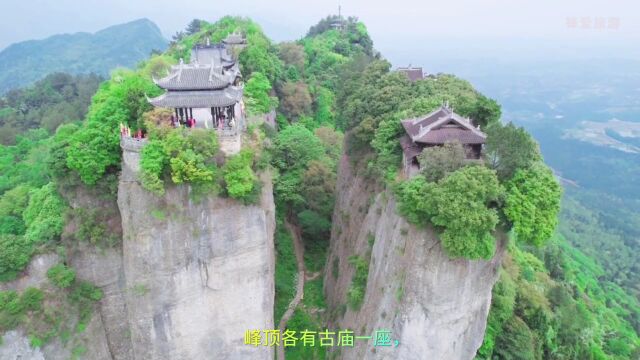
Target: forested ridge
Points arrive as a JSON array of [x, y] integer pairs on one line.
[[81, 53], [328, 88]]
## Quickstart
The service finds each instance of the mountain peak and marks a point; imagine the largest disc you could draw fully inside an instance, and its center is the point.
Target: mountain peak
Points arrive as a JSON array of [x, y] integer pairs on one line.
[[121, 45]]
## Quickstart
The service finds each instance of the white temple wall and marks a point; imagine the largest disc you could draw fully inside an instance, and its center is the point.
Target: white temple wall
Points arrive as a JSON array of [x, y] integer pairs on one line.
[[203, 117]]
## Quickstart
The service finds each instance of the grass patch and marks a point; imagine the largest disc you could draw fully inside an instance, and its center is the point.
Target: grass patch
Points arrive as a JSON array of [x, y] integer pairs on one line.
[[158, 215]]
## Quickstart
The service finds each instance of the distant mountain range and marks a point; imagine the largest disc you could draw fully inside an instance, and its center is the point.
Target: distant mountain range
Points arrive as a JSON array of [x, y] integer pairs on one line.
[[120, 45]]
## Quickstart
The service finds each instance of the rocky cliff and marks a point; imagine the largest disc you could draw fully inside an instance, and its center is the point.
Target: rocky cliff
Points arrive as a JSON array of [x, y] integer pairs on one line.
[[197, 274], [434, 306], [189, 279]]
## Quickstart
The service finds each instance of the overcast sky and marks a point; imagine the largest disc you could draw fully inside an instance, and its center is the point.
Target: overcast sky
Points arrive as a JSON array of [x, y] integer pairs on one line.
[[403, 30]]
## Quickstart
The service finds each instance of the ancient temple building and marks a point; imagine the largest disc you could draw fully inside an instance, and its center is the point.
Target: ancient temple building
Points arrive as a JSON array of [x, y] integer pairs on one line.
[[413, 73], [208, 89], [235, 39], [435, 129]]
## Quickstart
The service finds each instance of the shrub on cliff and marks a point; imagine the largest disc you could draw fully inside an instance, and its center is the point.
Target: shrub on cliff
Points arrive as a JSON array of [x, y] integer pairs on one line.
[[15, 253], [61, 276], [460, 207], [44, 216], [186, 155], [238, 175]]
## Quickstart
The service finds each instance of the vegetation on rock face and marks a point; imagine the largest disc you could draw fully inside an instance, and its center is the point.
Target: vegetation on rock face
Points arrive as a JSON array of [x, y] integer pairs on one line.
[[460, 205], [47, 314], [61, 276], [238, 176]]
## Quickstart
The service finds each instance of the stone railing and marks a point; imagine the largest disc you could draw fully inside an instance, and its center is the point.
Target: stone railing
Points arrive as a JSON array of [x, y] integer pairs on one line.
[[132, 144]]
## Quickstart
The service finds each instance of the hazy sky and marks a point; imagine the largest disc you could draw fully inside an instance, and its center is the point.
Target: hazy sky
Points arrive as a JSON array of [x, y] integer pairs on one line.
[[403, 30]]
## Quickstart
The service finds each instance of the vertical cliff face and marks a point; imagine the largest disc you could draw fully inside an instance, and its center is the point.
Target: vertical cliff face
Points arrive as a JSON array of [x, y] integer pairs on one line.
[[434, 306], [197, 275]]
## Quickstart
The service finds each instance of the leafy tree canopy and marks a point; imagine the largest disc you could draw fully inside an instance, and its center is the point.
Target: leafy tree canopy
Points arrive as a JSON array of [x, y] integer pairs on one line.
[[510, 148], [439, 161], [460, 205], [533, 203]]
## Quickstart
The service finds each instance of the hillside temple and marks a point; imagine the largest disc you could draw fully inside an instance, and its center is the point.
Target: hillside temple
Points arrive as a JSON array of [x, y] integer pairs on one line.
[[205, 93], [435, 129]]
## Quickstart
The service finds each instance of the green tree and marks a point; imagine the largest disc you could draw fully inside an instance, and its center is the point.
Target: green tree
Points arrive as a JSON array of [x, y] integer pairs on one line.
[[295, 99], [292, 54], [510, 148], [324, 107], [153, 161], [238, 175], [295, 146], [485, 111], [95, 148], [439, 161], [460, 205], [256, 94], [516, 342], [533, 203], [15, 253], [44, 216]]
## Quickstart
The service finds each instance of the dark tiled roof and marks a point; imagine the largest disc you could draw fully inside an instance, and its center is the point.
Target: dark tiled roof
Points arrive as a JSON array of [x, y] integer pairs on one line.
[[440, 126], [198, 99], [409, 148], [216, 54], [413, 73], [443, 135], [195, 78], [412, 126]]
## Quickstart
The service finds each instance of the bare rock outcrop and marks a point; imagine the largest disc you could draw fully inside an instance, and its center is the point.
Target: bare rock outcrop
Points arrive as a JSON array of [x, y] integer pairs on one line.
[[197, 274], [435, 307]]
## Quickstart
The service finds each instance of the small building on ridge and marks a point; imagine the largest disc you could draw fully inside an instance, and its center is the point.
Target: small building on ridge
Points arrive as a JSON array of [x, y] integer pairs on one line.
[[435, 129]]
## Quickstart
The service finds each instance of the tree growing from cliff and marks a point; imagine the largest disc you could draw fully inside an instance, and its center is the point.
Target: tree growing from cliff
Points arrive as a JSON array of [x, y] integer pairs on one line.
[[44, 216], [510, 148], [533, 203], [460, 206], [15, 253]]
